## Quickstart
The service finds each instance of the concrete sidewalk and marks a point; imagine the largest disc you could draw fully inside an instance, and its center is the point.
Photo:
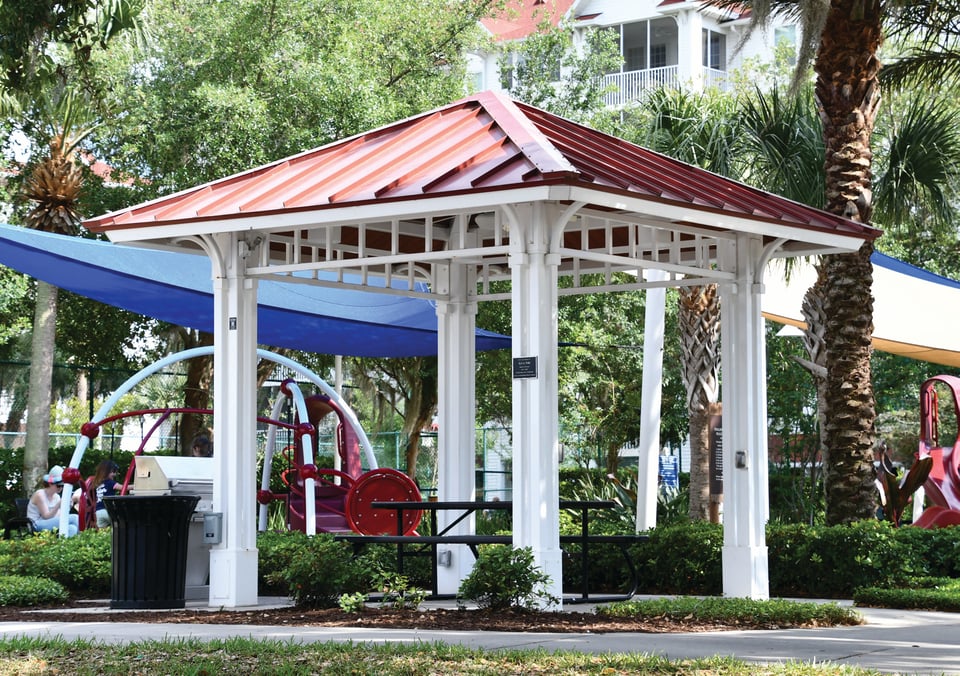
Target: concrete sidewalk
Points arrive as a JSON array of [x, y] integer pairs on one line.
[[895, 641]]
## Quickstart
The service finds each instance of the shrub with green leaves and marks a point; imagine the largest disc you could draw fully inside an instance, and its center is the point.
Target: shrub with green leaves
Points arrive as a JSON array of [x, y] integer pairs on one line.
[[681, 559], [319, 571], [275, 551], [24, 590], [924, 593], [772, 612], [82, 563], [504, 577], [353, 603], [833, 561], [397, 591]]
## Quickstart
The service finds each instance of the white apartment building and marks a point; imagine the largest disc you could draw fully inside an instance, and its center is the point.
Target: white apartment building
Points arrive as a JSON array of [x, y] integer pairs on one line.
[[681, 43]]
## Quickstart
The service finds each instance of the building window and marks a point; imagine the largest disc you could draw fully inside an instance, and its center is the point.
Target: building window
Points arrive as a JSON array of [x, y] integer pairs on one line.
[[785, 38], [658, 56], [714, 50], [635, 58]]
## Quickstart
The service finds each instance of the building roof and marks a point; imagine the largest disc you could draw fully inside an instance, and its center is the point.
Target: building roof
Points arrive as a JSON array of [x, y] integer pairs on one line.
[[521, 18], [730, 12], [457, 183], [485, 143]]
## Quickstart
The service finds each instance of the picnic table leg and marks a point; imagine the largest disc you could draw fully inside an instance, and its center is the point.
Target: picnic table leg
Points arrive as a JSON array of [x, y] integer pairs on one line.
[[584, 558]]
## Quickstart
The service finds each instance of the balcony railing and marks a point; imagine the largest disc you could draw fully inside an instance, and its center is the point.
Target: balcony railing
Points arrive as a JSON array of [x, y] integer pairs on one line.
[[632, 84], [718, 79]]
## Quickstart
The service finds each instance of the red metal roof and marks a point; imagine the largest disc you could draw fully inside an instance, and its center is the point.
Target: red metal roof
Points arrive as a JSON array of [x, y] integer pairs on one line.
[[482, 143], [521, 18]]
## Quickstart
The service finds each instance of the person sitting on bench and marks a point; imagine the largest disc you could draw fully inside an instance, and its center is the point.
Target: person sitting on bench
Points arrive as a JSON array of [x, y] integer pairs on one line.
[[44, 505]]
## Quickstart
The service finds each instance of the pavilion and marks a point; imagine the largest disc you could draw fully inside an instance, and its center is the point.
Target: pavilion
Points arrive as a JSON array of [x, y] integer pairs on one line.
[[443, 205]]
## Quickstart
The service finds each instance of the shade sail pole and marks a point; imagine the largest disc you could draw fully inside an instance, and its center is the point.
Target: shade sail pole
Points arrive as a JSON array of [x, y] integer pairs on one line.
[[744, 391], [536, 491], [233, 562], [457, 413]]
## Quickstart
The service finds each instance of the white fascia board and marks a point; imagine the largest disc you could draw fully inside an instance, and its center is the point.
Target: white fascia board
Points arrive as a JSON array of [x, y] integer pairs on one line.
[[335, 216], [722, 221]]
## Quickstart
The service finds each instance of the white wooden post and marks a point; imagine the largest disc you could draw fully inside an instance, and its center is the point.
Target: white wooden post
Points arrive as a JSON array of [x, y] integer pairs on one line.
[[744, 391], [536, 448], [690, 52], [457, 414], [233, 562]]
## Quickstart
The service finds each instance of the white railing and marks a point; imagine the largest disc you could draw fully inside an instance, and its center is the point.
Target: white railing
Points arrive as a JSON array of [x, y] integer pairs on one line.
[[629, 86], [713, 78]]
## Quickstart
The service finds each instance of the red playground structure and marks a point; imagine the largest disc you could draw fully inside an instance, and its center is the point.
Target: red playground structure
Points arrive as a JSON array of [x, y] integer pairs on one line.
[[340, 499], [342, 496], [943, 485]]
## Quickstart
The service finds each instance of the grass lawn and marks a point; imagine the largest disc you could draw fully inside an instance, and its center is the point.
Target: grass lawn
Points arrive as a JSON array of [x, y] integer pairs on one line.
[[23, 657]]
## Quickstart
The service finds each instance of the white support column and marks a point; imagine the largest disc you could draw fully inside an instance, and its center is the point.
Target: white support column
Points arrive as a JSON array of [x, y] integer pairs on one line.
[[690, 52], [648, 451], [744, 391], [457, 413], [536, 490], [233, 562]]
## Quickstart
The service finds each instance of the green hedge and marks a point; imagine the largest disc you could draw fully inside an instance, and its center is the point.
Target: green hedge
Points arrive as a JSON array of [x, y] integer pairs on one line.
[[19, 590], [81, 563], [805, 561], [681, 559], [925, 593], [832, 562]]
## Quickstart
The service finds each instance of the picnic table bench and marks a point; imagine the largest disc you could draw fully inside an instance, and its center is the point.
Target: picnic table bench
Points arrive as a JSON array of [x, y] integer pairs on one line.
[[416, 545]]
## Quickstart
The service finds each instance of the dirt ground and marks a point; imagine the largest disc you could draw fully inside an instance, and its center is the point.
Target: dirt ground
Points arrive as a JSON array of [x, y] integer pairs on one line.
[[453, 619]]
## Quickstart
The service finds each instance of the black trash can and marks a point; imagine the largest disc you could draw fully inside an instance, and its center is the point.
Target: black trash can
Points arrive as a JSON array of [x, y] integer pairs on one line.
[[149, 549]]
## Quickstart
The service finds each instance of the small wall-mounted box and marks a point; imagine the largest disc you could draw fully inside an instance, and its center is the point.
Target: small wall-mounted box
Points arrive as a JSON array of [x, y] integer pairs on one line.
[[212, 528]]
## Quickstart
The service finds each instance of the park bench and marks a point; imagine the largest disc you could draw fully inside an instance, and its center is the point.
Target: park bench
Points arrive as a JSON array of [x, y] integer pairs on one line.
[[20, 524]]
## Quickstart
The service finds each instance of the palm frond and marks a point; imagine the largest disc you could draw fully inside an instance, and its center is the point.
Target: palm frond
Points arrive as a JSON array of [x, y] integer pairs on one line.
[[70, 118], [114, 17], [695, 128], [923, 21], [781, 143], [919, 146], [922, 66]]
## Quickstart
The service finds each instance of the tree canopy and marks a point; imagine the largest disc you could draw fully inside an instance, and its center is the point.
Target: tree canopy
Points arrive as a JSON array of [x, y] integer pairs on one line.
[[203, 99]]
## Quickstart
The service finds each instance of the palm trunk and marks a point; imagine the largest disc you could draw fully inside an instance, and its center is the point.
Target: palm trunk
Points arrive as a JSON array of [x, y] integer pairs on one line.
[[699, 320], [37, 448], [847, 91], [813, 341], [700, 465]]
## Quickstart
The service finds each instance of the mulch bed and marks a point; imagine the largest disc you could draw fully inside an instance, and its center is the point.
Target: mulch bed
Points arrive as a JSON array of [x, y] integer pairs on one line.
[[453, 619]]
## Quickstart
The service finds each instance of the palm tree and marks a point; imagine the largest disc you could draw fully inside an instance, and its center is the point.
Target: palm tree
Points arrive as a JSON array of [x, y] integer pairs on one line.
[[781, 150], [53, 188], [915, 172], [45, 62], [844, 37]]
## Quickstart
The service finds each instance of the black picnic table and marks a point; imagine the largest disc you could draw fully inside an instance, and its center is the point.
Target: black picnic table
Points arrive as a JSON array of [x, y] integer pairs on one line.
[[426, 545]]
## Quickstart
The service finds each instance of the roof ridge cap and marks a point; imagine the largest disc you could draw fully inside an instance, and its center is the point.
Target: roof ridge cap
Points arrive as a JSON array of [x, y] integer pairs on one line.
[[524, 133]]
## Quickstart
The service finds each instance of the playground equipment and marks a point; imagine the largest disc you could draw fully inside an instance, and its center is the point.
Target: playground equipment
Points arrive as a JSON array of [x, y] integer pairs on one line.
[[334, 499], [943, 485]]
